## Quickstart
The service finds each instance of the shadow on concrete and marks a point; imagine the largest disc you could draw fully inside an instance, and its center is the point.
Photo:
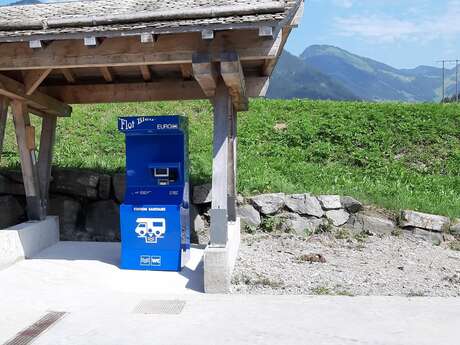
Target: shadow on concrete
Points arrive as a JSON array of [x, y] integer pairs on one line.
[[190, 278], [106, 252]]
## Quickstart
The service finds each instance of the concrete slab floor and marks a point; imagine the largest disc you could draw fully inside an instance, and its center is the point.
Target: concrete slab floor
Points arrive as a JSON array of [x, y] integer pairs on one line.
[[84, 281]]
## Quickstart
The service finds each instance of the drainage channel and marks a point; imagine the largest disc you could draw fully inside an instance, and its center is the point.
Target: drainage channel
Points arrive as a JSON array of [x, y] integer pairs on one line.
[[29, 334]]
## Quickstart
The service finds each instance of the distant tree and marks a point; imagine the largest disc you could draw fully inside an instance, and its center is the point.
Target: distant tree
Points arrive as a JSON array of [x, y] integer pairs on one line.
[[451, 99]]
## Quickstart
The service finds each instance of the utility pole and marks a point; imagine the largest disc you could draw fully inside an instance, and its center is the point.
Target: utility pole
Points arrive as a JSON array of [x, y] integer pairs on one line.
[[444, 62]]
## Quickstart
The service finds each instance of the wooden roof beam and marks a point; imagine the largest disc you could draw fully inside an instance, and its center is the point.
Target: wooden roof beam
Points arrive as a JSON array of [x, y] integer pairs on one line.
[[38, 100], [107, 74], [68, 75], [33, 79], [205, 73], [129, 51], [232, 73], [146, 73], [142, 92], [186, 71]]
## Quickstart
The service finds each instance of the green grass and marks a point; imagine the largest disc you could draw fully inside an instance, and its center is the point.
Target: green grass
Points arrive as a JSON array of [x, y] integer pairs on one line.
[[393, 155]]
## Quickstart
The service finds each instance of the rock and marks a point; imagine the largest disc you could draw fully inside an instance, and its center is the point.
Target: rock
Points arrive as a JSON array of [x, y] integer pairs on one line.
[[104, 187], [240, 200], [351, 205], [14, 175], [249, 215], [76, 183], [119, 187], [374, 224], [412, 219], [198, 226], [103, 220], [429, 236], [304, 204], [11, 212], [455, 227], [292, 222], [269, 204], [202, 194], [338, 217], [330, 202], [8, 186], [67, 209]]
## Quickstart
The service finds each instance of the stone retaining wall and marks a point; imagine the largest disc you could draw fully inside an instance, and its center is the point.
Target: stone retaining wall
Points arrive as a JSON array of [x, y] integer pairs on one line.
[[88, 206]]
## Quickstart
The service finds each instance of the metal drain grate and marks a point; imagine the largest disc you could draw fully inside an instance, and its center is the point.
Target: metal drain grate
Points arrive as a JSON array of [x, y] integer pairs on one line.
[[159, 307], [28, 335]]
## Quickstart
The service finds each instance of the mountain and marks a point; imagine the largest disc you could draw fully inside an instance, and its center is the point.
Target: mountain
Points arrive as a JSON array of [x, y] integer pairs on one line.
[[25, 2], [362, 77], [293, 78]]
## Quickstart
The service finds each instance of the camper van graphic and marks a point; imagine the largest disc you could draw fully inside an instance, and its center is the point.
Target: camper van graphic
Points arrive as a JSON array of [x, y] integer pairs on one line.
[[151, 229]]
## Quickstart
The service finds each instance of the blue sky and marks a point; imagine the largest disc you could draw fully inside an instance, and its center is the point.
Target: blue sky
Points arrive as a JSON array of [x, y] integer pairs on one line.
[[402, 33]]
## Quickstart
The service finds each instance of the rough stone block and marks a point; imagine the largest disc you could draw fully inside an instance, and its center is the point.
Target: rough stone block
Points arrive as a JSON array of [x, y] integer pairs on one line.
[[292, 222], [351, 205], [412, 219], [103, 220], [76, 183], [202, 194], [249, 215], [304, 204], [338, 217], [68, 210], [11, 212], [330, 202], [269, 204], [429, 236], [104, 187], [455, 227], [371, 223], [119, 187], [8, 186]]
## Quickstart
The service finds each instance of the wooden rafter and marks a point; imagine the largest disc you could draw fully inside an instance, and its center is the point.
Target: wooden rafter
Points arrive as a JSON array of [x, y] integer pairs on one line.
[[232, 73], [33, 79], [4, 104], [205, 73], [68, 75], [186, 71], [142, 92], [129, 51], [146, 73], [107, 74], [38, 100]]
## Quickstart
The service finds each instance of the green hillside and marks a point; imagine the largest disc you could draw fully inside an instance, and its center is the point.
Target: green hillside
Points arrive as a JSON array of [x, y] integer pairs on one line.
[[392, 155], [373, 80], [293, 78]]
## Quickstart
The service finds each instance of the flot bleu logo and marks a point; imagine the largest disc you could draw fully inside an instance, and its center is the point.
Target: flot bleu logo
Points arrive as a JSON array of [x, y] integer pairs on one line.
[[151, 229]]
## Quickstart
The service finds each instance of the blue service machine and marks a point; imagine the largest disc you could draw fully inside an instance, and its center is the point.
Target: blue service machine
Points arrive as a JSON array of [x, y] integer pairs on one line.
[[155, 215]]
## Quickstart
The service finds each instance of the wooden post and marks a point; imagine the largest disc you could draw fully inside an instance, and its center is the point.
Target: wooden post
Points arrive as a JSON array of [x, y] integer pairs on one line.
[[219, 212], [45, 157], [4, 103], [29, 164], [232, 168]]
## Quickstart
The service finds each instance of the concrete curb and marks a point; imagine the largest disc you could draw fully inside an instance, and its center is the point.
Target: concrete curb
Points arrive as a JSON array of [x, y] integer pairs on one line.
[[25, 240], [219, 262]]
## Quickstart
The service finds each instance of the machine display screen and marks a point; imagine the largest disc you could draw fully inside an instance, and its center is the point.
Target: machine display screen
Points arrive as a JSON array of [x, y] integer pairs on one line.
[[161, 172]]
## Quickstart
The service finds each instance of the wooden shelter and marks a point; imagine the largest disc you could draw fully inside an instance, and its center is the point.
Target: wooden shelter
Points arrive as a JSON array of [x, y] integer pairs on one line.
[[103, 51]]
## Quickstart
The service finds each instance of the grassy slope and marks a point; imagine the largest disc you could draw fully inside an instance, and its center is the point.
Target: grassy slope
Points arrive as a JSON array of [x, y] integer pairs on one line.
[[393, 155]]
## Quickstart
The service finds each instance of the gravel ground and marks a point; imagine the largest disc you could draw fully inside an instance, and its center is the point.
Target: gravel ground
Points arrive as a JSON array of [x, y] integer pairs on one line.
[[391, 265]]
